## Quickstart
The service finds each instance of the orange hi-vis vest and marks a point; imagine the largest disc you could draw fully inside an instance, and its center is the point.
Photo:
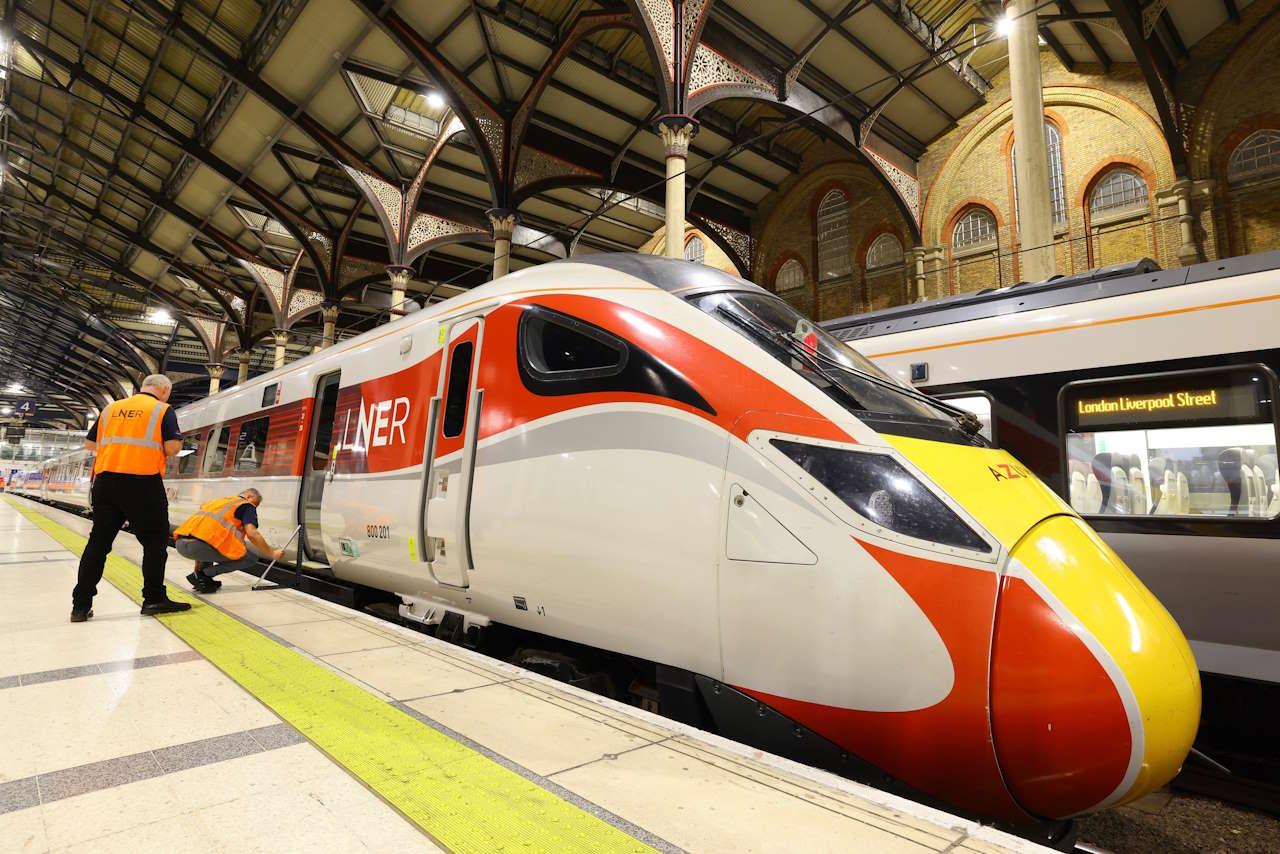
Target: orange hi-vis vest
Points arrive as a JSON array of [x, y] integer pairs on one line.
[[216, 523], [129, 436]]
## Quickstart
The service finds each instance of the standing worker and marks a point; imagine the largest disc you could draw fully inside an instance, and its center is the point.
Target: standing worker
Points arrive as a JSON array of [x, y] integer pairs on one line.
[[214, 538], [133, 438]]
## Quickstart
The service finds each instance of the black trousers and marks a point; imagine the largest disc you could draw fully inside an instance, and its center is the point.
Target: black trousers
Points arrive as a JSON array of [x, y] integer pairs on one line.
[[139, 500]]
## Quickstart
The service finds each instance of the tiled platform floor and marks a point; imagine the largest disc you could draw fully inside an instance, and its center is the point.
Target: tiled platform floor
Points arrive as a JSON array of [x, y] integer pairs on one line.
[[118, 735]]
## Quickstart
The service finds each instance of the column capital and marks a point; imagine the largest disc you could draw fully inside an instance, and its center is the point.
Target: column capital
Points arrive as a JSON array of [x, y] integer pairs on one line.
[[503, 222], [399, 275], [677, 131], [329, 311], [281, 336], [244, 356], [214, 368]]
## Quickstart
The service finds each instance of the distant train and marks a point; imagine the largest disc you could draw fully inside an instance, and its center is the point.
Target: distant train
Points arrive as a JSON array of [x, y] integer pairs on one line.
[[62, 480], [1144, 397], [654, 459]]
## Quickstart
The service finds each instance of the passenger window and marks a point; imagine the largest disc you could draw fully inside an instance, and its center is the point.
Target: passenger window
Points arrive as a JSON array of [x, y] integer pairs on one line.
[[559, 347], [215, 456], [455, 400], [270, 395], [1193, 443], [187, 456], [252, 444]]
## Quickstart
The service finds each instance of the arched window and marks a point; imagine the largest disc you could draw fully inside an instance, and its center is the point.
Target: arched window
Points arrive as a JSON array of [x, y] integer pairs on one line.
[[976, 228], [885, 251], [1119, 190], [1057, 178], [790, 276], [695, 250], [833, 237], [1258, 155]]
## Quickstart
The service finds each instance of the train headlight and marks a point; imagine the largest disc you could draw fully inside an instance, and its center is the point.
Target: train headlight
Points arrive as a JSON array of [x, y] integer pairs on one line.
[[881, 490]]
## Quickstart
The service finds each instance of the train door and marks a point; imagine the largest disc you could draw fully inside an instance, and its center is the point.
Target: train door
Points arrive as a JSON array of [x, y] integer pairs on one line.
[[316, 466], [450, 463]]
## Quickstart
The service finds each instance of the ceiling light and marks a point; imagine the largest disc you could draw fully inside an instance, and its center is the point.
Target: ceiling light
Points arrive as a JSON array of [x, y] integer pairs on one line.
[[14, 388], [161, 315], [1004, 26], [435, 100], [7, 410]]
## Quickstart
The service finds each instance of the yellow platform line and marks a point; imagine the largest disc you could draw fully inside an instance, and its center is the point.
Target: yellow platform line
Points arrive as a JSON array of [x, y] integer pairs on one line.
[[461, 798]]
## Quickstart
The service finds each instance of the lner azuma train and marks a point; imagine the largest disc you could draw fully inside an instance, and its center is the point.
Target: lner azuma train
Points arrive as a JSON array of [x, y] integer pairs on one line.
[[655, 459], [1146, 399]]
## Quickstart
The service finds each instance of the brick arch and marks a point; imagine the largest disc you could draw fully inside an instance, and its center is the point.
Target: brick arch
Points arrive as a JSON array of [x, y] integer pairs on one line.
[[860, 257], [962, 208], [800, 197], [776, 267], [1100, 171], [1227, 84], [1053, 117], [1147, 130], [1241, 132]]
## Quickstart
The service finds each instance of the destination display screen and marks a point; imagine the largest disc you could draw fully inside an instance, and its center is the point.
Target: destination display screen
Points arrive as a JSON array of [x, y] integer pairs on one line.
[[1198, 398]]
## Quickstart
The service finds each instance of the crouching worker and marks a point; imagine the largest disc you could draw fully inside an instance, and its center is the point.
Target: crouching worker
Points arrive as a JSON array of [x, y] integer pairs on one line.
[[214, 537]]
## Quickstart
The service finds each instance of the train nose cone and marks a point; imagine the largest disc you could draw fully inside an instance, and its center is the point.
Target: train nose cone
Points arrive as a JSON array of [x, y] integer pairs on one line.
[[1095, 695]]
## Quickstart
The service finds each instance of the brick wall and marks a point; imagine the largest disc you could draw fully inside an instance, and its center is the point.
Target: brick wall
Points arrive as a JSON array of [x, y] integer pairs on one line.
[[787, 230], [1228, 87]]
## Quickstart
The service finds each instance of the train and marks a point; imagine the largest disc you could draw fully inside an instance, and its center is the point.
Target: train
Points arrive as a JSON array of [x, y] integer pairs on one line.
[[1146, 399], [62, 480], [662, 462]]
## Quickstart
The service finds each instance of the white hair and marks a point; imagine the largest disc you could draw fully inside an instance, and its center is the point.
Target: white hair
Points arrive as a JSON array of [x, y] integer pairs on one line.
[[251, 493], [156, 381]]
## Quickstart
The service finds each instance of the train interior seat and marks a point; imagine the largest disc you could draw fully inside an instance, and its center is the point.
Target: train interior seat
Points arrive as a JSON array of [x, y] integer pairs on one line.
[[1092, 494], [1271, 477], [1184, 493], [1119, 491], [1078, 486], [1139, 500]]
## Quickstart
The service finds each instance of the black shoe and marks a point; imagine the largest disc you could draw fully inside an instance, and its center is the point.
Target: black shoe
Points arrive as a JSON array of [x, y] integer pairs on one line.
[[163, 606], [202, 583], [78, 616]]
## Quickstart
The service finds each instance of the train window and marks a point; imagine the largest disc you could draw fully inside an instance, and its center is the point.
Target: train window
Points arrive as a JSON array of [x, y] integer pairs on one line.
[[187, 455], [558, 347], [1188, 443], [323, 444], [251, 445], [271, 395], [215, 456], [828, 363], [455, 400]]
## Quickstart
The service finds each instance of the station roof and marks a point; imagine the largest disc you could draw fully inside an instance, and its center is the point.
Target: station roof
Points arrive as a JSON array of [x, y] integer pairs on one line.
[[181, 177]]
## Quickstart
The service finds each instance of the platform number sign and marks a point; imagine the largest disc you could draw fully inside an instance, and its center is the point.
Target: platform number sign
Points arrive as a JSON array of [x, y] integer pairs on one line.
[[26, 408]]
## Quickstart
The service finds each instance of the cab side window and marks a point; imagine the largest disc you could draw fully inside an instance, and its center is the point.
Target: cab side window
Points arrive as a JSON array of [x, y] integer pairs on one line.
[[187, 457], [251, 445], [215, 457]]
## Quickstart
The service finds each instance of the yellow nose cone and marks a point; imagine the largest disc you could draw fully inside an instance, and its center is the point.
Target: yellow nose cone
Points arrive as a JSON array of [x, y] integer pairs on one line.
[[1150, 654]]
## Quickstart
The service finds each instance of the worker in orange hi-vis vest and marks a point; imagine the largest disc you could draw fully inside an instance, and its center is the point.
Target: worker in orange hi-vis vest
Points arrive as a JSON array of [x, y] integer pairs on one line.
[[133, 438], [215, 538]]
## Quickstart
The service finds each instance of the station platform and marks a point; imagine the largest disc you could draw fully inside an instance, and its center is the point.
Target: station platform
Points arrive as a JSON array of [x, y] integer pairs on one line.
[[274, 721]]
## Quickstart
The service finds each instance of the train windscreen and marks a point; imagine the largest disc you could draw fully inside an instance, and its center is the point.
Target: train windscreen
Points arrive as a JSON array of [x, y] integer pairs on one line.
[[829, 364]]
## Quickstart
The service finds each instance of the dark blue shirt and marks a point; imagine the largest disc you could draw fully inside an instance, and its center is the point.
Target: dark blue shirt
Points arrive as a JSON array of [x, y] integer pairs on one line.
[[168, 425], [247, 514]]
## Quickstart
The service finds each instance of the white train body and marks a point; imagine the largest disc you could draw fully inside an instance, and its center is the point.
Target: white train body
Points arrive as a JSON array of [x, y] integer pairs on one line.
[[614, 451]]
